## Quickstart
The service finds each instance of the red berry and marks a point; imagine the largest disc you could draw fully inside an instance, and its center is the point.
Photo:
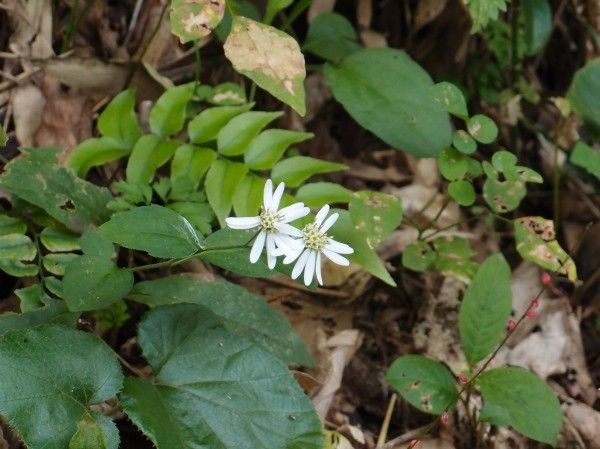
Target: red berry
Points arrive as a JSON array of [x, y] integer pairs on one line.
[[462, 378], [531, 314], [535, 303], [511, 325], [546, 278], [445, 418]]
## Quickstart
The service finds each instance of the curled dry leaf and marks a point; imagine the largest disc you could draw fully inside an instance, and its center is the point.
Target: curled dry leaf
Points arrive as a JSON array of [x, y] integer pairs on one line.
[[586, 421], [270, 58], [28, 103], [195, 19]]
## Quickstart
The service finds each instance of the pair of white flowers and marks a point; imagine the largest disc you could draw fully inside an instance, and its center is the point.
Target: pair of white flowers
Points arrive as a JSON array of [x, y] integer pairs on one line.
[[306, 246]]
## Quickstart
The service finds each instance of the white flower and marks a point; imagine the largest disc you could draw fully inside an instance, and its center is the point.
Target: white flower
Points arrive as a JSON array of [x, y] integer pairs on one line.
[[315, 242], [275, 232]]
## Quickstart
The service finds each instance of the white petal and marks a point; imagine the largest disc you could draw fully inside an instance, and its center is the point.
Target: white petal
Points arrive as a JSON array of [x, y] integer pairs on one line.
[[277, 196], [294, 214], [318, 269], [335, 257], [309, 270], [242, 222], [286, 209], [285, 243], [293, 254], [288, 229], [329, 222], [268, 194], [271, 258], [300, 264], [321, 215], [258, 246], [338, 247]]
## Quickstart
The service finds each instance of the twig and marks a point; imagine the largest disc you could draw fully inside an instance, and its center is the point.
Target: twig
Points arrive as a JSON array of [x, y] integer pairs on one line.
[[386, 421]]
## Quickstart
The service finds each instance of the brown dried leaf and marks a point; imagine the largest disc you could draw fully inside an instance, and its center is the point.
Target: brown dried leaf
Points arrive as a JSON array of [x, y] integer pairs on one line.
[[28, 103]]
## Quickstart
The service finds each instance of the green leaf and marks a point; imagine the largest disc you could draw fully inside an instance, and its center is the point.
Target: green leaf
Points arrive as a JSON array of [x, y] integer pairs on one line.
[[482, 128], [537, 17], [221, 181], [191, 162], [485, 309], [16, 247], [525, 400], [267, 148], [157, 230], [70, 200], [210, 387], [240, 311], [295, 170], [195, 20], [94, 282], [462, 192], [318, 194], [536, 242], [270, 58], [451, 99], [59, 240], [229, 249], [206, 125], [94, 244], [53, 311], [454, 258], [587, 158], [375, 214], [583, 93], [93, 152], [331, 36], [248, 196], [168, 114], [227, 94], [424, 383], [344, 230], [378, 83], [200, 215], [463, 142], [17, 268], [31, 297], [452, 164], [482, 11], [95, 431], [235, 137], [149, 153], [56, 263], [119, 120], [49, 377], [3, 137], [11, 225], [418, 256], [273, 7]]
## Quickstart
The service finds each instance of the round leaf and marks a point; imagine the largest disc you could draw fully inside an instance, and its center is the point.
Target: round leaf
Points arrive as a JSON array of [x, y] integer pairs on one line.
[[418, 256], [452, 164], [451, 99], [462, 192], [482, 128], [463, 142]]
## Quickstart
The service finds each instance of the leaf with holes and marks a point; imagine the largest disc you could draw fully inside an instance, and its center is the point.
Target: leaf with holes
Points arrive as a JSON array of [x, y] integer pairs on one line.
[[49, 377], [270, 58], [536, 242], [424, 383], [209, 386], [195, 19]]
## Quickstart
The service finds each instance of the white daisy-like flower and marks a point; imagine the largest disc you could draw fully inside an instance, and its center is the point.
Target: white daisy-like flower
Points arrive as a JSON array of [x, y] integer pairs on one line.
[[315, 242], [275, 232]]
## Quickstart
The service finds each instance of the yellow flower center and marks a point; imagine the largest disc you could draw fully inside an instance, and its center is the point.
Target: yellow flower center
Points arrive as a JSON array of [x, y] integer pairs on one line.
[[268, 220], [313, 238]]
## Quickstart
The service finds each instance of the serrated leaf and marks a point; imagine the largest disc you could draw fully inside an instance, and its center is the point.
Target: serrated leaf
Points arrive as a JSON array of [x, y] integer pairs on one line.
[[59, 240], [424, 383], [485, 309], [212, 387], [418, 256], [375, 214], [248, 196], [70, 200], [149, 153], [221, 182], [295, 170], [49, 377], [482, 128], [235, 137], [119, 121], [536, 242], [206, 125], [344, 230], [482, 11], [524, 400], [331, 36], [93, 152], [192, 20], [378, 83], [94, 282], [157, 230], [451, 98], [168, 114], [318, 194], [240, 311], [267, 148], [95, 431], [53, 311], [587, 158], [270, 58]]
